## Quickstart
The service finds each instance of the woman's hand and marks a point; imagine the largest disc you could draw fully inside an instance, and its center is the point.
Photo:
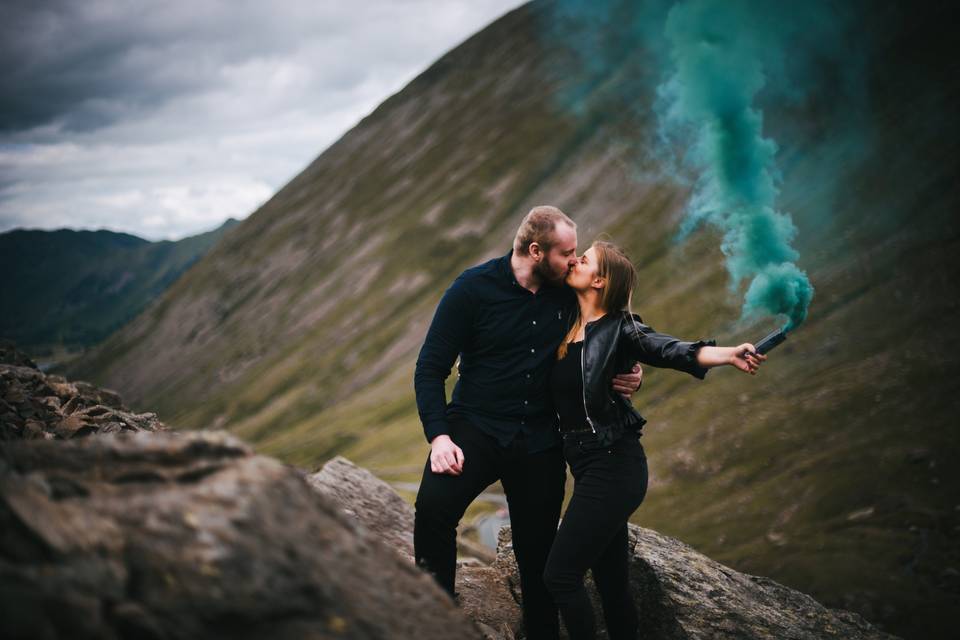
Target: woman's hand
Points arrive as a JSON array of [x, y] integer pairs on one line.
[[746, 358], [445, 456]]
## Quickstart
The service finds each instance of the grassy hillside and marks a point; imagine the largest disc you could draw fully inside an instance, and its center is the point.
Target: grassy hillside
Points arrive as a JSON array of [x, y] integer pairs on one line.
[[830, 472], [66, 290]]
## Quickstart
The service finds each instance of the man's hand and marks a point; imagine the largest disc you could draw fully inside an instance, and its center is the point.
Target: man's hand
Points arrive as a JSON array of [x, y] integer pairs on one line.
[[445, 457], [627, 384]]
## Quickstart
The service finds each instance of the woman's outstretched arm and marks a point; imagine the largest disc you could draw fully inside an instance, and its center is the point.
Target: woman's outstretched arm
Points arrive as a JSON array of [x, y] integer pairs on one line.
[[696, 358], [743, 357]]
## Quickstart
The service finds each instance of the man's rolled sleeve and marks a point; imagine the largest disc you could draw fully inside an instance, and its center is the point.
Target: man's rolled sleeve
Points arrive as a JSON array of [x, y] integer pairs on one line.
[[448, 334]]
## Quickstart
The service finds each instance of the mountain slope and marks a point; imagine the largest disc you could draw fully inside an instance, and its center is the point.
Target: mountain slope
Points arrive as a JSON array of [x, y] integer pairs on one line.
[[830, 472], [70, 289]]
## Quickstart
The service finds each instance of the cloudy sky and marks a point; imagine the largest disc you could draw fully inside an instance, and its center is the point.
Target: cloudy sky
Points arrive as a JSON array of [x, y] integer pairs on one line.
[[163, 119]]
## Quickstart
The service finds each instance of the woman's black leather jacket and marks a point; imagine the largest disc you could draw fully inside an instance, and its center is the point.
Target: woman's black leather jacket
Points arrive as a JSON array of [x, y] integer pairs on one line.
[[611, 345]]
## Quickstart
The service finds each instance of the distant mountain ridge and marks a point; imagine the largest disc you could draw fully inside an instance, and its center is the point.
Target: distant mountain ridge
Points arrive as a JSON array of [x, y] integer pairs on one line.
[[67, 289], [833, 471]]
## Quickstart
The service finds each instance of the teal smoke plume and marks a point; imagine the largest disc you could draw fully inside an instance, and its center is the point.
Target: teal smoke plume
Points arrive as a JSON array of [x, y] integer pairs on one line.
[[722, 53]]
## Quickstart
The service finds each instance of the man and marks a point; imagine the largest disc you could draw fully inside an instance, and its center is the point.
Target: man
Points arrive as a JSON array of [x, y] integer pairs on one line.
[[504, 319]]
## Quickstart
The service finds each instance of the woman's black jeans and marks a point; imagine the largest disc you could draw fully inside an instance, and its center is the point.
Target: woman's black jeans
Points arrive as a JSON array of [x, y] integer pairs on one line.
[[609, 484]]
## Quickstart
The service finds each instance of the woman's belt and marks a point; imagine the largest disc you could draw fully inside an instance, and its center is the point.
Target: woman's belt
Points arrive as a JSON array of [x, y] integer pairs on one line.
[[565, 431]]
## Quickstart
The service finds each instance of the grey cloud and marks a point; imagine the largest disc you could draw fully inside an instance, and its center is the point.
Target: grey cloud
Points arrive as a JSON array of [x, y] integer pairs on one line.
[[86, 65], [92, 64], [164, 118]]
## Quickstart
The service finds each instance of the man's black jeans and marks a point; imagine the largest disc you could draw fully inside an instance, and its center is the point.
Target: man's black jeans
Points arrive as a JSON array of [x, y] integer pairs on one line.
[[534, 486], [609, 484]]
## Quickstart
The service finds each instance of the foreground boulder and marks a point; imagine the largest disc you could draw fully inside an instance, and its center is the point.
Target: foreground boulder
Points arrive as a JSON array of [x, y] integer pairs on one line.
[[157, 535], [483, 592], [370, 501]]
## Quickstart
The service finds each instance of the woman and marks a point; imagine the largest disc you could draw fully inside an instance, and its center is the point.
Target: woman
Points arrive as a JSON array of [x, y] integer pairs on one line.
[[601, 432]]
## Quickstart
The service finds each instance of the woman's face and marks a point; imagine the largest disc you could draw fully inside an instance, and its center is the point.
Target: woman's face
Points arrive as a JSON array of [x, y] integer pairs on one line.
[[583, 274]]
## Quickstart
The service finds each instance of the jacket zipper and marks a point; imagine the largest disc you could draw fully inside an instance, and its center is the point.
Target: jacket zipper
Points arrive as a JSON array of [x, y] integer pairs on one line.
[[583, 380]]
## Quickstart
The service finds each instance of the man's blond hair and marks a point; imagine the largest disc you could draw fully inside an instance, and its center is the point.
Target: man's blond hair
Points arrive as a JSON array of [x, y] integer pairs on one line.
[[538, 226]]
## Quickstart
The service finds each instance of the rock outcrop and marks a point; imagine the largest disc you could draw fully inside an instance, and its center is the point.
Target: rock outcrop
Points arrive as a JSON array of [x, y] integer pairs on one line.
[[680, 593], [9, 354], [683, 595], [38, 406], [369, 500], [156, 535]]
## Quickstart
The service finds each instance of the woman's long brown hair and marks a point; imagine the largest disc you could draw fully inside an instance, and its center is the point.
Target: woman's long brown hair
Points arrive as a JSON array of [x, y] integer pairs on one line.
[[615, 267]]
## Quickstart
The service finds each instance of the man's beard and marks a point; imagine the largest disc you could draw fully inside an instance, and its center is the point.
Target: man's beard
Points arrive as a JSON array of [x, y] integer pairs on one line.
[[548, 275]]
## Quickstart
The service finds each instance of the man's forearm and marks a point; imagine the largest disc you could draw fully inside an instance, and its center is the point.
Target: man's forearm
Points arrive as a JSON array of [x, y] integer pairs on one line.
[[431, 394]]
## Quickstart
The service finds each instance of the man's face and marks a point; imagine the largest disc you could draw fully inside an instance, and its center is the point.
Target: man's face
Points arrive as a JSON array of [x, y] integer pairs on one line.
[[561, 257]]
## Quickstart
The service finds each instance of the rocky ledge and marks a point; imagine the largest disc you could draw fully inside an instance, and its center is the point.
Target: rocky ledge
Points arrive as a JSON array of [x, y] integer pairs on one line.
[[139, 531], [38, 406]]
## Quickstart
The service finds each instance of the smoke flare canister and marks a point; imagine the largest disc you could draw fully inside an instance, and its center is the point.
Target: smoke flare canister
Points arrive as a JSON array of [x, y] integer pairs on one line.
[[770, 341]]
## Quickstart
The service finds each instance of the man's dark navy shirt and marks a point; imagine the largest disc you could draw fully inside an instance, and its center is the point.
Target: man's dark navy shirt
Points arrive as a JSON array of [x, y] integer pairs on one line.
[[506, 338]]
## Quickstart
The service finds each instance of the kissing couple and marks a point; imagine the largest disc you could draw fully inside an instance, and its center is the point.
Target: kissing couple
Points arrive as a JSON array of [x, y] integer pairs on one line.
[[549, 355]]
